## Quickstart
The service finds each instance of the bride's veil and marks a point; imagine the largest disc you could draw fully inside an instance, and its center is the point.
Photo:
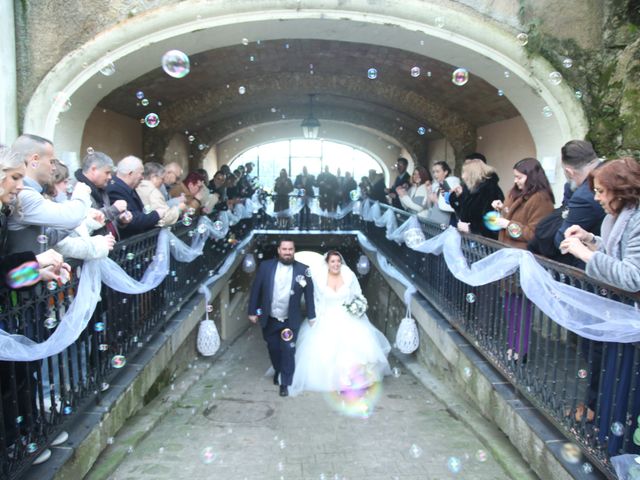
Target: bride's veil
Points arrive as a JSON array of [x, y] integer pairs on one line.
[[319, 274]]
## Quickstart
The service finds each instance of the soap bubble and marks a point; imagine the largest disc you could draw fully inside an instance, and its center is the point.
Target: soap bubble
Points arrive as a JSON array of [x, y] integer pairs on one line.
[[372, 73], [139, 94], [571, 453], [202, 146], [415, 451], [176, 64], [514, 230], [245, 41], [454, 464], [460, 77], [99, 327], [522, 38], [32, 447], [202, 228], [118, 361], [108, 69], [507, 74], [207, 455], [152, 120], [395, 371], [42, 239], [587, 468], [218, 225], [567, 63], [582, 373], [144, 102], [617, 429], [67, 410], [547, 112], [50, 323], [354, 195], [52, 285], [413, 237], [415, 72], [130, 256], [500, 93], [490, 221], [481, 456], [555, 78], [103, 347], [242, 90], [578, 94], [467, 372], [286, 334], [422, 130], [470, 297], [187, 221]]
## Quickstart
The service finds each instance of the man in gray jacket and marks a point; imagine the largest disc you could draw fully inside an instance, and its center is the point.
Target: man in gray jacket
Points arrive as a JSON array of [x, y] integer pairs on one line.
[[27, 227]]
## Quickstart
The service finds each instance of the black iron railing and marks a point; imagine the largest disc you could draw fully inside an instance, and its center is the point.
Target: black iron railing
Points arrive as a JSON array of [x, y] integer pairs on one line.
[[39, 398], [557, 370]]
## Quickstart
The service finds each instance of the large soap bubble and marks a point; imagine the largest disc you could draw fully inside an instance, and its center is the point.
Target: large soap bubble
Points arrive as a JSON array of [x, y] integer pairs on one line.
[[176, 64]]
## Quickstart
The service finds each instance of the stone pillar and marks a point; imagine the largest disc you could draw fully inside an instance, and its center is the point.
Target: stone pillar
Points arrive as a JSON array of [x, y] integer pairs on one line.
[[8, 101]]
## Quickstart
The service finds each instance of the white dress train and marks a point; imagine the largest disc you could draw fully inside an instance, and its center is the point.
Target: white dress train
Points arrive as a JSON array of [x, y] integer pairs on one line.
[[340, 351]]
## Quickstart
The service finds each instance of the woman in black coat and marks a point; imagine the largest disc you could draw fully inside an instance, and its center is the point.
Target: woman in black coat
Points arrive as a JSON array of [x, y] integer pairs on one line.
[[473, 200]]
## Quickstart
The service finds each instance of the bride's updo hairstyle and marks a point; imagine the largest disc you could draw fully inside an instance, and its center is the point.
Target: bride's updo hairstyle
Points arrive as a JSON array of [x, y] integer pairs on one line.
[[333, 253]]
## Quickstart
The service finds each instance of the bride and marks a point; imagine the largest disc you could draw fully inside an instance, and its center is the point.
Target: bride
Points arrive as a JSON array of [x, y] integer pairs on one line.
[[339, 351]]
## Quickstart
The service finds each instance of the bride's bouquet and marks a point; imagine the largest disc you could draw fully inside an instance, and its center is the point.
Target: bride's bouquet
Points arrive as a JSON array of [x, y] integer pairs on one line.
[[357, 306]]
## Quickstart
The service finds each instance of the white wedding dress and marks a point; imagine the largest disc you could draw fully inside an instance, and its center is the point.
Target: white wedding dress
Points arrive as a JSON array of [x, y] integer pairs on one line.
[[340, 351]]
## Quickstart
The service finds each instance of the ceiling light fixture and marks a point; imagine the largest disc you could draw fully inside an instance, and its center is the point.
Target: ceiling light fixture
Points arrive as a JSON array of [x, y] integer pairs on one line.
[[310, 125]]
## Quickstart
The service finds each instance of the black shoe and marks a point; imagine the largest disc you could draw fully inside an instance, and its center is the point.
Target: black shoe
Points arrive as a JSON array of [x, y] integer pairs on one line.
[[275, 378], [284, 391]]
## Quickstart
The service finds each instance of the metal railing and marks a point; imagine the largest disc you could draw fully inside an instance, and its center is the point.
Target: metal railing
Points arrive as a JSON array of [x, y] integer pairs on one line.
[[39, 398], [555, 369], [552, 367]]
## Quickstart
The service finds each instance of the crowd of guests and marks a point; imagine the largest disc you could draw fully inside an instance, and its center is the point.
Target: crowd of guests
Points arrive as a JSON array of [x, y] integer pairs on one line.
[[49, 215]]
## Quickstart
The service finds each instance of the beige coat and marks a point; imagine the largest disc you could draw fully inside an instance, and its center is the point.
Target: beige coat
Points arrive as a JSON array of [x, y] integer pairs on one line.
[[527, 213], [153, 197]]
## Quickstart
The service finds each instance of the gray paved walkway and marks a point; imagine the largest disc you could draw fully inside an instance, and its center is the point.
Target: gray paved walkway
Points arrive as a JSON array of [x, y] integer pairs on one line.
[[231, 424]]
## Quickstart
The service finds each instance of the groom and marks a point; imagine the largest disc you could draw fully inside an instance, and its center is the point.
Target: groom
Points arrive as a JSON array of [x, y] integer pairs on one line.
[[275, 302]]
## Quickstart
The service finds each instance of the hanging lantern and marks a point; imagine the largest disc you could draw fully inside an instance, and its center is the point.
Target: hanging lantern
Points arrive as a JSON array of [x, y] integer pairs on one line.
[[249, 263], [363, 266]]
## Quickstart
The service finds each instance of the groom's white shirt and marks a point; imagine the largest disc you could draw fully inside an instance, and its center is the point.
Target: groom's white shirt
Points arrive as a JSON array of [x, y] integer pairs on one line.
[[281, 291]]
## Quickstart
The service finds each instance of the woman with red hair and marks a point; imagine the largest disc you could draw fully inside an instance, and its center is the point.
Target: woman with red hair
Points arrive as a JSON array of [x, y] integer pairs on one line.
[[612, 258], [191, 188], [416, 200]]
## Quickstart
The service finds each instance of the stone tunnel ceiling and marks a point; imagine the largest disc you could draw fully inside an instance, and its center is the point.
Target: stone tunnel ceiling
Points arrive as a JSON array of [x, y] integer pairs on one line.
[[278, 76]]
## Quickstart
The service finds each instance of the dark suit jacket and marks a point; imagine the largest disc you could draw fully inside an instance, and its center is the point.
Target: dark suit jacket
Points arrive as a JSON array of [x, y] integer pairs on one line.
[[262, 294], [471, 207], [377, 191], [583, 211], [306, 183], [141, 222], [404, 179]]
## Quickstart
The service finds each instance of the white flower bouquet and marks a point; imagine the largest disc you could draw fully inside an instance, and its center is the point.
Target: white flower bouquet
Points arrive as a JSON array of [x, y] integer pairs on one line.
[[357, 306]]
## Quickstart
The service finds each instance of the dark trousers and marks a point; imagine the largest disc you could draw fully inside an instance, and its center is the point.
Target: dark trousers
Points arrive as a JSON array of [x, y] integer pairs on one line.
[[281, 352]]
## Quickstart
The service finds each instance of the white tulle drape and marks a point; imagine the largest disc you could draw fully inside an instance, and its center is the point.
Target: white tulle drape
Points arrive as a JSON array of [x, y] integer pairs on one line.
[[586, 314], [95, 272]]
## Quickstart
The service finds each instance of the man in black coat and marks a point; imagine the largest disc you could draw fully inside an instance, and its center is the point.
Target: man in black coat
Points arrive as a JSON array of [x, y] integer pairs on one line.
[[275, 303], [305, 183], [122, 187], [402, 180], [96, 173]]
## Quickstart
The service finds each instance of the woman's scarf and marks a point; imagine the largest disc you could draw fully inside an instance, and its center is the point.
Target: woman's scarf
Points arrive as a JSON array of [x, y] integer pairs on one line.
[[613, 227]]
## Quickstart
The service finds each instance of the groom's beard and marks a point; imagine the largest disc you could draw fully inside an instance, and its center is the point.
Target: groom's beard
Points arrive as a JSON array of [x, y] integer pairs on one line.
[[286, 261]]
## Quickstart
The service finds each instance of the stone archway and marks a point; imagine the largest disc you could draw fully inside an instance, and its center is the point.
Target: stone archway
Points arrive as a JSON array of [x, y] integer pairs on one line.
[[486, 49]]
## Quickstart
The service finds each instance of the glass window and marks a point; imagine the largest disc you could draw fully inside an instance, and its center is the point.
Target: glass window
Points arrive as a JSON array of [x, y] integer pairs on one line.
[[306, 148], [293, 155]]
